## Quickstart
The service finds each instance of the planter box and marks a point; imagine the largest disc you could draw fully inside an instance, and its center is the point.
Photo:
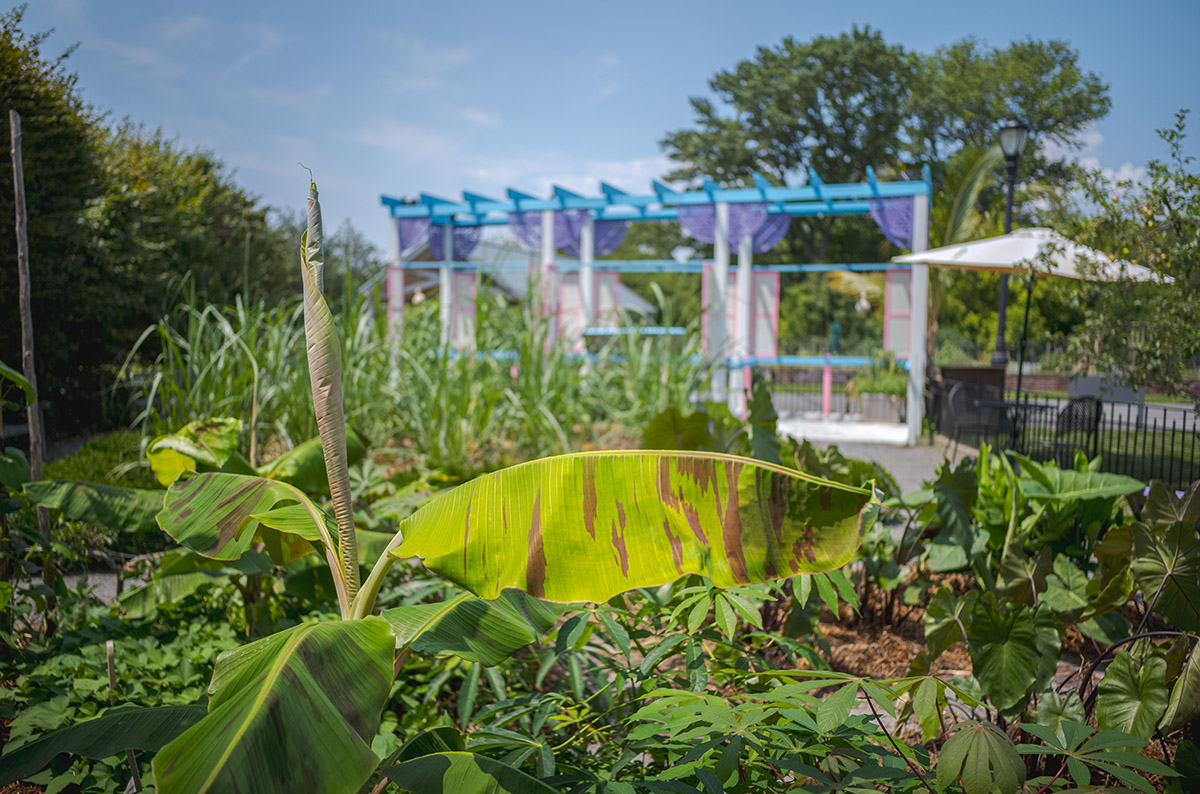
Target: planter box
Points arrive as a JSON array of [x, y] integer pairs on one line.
[[882, 407]]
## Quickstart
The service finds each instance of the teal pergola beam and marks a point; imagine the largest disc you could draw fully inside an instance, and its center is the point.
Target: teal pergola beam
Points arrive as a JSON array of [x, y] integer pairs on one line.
[[815, 198]]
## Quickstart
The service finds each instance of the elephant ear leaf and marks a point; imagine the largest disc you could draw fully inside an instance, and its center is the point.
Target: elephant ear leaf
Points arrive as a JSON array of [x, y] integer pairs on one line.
[[295, 712], [588, 526]]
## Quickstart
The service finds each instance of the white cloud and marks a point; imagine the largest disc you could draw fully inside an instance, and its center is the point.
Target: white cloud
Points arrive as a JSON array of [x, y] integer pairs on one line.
[[268, 41], [416, 66], [413, 140], [480, 117], [609, 61], [299, 99], [1086, 152]]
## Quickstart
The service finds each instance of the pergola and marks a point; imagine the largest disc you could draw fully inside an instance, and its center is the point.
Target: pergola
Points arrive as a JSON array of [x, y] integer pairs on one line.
[[724, 216]]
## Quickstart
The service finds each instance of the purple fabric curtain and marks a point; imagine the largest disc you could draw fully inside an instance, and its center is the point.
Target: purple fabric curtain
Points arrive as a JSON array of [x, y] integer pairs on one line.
[[608, 235], [699, 221], [771, 232], [895, 219], [527, 227], [465, 239], [414, 233]]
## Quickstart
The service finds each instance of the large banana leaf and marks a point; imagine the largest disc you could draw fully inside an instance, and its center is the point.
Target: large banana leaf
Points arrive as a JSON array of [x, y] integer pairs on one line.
[[115, 731], [124, 509], [472, 628], [588, 526], [325, 376], [219, 515], [295, 712]]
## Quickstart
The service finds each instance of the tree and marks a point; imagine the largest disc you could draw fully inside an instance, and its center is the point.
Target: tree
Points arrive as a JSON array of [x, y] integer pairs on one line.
[[70, 292], [839, 104], [1146, 332], [168, 212]]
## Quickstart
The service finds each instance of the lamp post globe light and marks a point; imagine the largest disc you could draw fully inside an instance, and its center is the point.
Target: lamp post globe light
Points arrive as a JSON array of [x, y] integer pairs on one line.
[[1013, 136]]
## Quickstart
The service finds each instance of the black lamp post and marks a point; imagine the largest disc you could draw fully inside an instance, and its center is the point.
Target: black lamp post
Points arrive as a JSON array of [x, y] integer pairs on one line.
[[1012, 141]]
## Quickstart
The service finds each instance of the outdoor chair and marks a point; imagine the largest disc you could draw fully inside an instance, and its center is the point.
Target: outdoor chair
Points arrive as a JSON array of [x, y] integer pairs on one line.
[[1077, 427], [974, 411]]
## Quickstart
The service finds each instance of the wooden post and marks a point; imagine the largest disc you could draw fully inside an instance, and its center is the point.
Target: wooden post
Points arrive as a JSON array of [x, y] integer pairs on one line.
[[37, 438]]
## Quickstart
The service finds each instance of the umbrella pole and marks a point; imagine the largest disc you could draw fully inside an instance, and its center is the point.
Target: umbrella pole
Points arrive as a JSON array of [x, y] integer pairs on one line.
[[1021, 350]]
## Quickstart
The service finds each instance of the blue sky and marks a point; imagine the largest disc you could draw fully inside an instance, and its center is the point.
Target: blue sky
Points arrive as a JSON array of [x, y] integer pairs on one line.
[[404, 97]]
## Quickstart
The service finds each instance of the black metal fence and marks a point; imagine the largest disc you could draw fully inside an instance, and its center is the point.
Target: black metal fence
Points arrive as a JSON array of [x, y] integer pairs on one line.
[[1151, 441]]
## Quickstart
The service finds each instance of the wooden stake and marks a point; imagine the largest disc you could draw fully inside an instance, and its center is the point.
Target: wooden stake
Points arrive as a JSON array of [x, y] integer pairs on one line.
[[37, 438]]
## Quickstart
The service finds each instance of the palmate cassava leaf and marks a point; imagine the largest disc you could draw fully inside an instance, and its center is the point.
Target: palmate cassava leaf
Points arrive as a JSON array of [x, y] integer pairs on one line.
[[124, 509], [115, 731], [219, 515], [472, 628], [982, 758], [588, 526], [294, 712]]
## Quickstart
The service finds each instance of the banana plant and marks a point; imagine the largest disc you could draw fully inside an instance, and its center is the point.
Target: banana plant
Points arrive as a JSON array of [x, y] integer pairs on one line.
[[297, 711]]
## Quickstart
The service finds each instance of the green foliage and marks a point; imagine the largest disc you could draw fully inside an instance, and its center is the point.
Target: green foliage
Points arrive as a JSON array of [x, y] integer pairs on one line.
[[1141, 330]]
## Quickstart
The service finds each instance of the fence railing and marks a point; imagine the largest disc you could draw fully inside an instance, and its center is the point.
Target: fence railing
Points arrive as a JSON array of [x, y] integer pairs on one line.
[[1150, 441]]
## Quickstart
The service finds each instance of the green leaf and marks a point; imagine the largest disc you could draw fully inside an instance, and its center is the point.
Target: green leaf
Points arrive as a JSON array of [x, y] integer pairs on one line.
[[124, 509], [1067, 485], [946, 619], [442, 739], [1024, 574], [1183, 706], [1066, 588], [1171, 563], [213, 514], [14, 469], [481, 631], [203, 445], [1053, 709], [671, 430], [835, 709], [1132, 699], [19, 380], [588, 526], [462, 773], [925, 706], [1004, 652], [1164, 507], [116, 730], [295, 712], [982, 758]]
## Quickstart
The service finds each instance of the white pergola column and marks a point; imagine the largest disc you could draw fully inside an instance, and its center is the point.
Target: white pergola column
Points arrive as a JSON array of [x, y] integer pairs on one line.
[[545, 288], [919, 321], [587, 276], [719, 317], [395, 287], [445, 284], [739, 376]]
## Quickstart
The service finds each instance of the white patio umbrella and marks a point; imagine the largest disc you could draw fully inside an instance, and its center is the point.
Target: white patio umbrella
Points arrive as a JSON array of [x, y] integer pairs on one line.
[[1045, 250]]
